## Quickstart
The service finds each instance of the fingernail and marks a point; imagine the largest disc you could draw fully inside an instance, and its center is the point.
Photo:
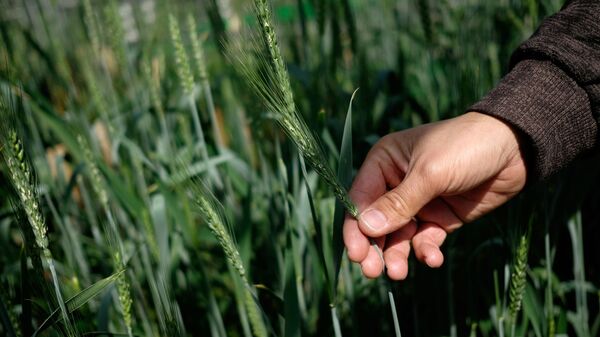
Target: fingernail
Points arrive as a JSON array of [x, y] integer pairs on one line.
[[374, 219]]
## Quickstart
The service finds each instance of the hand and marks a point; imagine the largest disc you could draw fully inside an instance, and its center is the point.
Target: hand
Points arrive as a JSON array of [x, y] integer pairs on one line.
[[417, 185]]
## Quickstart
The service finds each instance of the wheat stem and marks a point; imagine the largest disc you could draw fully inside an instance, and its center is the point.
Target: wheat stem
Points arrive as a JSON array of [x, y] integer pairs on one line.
[[270, 79], [198, 54], [112, 233], [211, 211], [154, 90], [187, 81]]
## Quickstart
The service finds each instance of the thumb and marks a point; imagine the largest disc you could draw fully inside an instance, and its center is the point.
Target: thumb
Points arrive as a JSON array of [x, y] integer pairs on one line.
[[397, 207]]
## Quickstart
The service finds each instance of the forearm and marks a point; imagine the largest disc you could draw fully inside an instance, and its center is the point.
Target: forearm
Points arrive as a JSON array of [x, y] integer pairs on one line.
[[552, 93]]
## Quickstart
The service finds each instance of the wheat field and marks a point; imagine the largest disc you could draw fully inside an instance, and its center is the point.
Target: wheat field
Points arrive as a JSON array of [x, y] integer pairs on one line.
[[180, 168]]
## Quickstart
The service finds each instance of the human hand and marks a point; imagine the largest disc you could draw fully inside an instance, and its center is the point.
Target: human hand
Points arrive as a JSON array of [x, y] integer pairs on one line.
[[442, 175]]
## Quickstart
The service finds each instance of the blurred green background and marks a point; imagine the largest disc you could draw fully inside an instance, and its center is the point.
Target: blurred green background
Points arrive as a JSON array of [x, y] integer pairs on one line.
[[108, 71]]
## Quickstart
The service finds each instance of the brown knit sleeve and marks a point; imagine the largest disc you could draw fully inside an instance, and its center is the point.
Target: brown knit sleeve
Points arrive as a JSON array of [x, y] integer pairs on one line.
[[552, 93]]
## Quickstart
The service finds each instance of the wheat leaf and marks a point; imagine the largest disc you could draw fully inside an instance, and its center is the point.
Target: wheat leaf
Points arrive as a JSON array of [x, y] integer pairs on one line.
[[344, 176], [79, 300]]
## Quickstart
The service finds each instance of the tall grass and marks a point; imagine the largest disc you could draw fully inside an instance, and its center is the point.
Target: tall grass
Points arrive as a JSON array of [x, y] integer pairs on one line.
[[138, 148]]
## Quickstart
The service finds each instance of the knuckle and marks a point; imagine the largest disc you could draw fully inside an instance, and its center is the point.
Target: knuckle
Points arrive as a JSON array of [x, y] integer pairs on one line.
[[395, 203], [438, 236], [387, 142], [430, 169]]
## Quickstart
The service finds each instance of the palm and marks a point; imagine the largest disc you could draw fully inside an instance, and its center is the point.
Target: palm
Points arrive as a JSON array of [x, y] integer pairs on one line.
[[472, 204]]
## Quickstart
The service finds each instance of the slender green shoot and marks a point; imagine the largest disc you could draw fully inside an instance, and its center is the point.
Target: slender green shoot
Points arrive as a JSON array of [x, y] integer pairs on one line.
[[268, 77], [212, 213], [581, 314], [111, 233], [198, 52]]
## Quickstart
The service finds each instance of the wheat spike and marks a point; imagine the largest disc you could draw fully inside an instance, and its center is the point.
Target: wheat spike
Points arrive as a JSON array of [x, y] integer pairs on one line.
[[116, 32], [124, 291], [91, 25], [518, 278], [211, 211], [270, 80], [22, 178], [184, 71]]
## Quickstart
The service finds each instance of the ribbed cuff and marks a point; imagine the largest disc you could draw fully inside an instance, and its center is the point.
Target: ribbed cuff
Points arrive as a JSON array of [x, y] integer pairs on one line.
[[549, 109]]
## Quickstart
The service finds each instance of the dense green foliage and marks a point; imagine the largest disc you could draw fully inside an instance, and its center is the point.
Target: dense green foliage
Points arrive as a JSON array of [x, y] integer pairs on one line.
[[147, 184]]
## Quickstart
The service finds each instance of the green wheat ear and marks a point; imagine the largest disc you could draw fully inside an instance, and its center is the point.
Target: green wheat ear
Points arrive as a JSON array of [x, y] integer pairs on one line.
[[183, 68], [268, 77], [212, 212], [197, 49], [116, 32], [96, 178], [20, 172], [124, 292], [518, 278], [21, 176], [91, 25], [99, 186]]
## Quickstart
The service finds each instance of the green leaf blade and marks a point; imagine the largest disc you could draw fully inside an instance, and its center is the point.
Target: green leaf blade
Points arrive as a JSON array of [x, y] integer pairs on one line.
[[344, 175]]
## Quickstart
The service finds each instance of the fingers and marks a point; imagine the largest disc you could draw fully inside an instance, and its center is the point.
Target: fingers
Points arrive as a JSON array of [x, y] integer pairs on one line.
[[397, 251], [356, 242], [397, 207], [436, 219], [372, 265], [440, 212], [426, 244]]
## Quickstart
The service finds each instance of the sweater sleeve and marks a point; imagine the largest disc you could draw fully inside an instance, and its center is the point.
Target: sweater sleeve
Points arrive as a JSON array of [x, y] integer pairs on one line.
[[552, 93]]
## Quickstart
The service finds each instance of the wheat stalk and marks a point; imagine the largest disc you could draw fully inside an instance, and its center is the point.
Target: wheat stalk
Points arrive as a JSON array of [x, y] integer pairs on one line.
[[198, 53], [270, 80], [186, 78], [211, 211], [197, 50], [111, 232], [154, 90], [116, 33], [97, 96], [21, 176], [91, 25], [182, 62], [96, 178]]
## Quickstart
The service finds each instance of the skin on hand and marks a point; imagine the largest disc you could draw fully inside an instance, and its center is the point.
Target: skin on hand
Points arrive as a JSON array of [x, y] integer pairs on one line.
[[417, 185]]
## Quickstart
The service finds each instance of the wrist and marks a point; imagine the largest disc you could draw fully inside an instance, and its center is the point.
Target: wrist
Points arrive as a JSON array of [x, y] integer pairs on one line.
[[510, 139]]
